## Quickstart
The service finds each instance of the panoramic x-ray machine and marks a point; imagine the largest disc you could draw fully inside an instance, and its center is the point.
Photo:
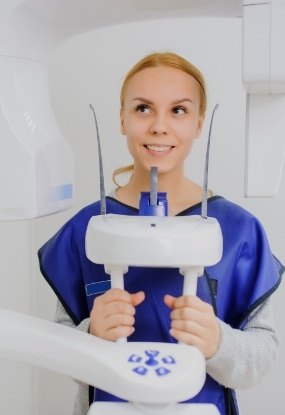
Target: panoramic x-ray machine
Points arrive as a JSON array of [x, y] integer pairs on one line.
[[36, 170]]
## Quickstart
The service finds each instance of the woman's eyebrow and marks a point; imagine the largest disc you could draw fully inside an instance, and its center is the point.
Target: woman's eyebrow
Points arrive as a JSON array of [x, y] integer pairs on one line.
[[179, 101], [147, 101], [175, 102]]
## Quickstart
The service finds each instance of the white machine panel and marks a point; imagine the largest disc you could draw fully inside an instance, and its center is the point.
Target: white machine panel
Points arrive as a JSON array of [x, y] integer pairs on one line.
[[150, 373], [109, 408]]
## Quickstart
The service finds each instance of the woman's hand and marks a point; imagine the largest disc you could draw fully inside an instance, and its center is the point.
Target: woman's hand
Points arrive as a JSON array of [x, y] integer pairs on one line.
[[112, 315], [194, 322]]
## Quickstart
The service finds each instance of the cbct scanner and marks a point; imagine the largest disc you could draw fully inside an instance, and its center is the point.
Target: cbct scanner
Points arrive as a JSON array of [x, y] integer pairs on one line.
[[36, 176]]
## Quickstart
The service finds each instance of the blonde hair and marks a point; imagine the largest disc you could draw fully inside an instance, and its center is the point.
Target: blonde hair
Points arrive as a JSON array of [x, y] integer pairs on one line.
[[162, 59]]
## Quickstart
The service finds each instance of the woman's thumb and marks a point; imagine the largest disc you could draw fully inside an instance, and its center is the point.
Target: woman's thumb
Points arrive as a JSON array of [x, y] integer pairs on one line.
[[137, 298], [169, 300]]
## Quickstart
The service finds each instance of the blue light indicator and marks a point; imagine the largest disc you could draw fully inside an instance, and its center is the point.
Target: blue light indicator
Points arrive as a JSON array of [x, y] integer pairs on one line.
[[64, 191]]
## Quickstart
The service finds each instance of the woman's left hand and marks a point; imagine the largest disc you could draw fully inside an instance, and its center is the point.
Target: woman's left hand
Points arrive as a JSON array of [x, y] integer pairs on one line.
[[194, 322]]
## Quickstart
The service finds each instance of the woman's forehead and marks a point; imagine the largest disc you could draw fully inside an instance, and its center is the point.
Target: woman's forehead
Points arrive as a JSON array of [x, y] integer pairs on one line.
[[164, 80]]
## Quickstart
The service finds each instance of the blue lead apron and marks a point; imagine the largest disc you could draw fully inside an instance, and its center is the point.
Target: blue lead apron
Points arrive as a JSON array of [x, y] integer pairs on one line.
[[245, 277]]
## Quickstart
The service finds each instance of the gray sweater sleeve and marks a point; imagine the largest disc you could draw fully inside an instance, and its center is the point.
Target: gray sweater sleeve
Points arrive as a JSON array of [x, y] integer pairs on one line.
[[243, 357], [81, 403]]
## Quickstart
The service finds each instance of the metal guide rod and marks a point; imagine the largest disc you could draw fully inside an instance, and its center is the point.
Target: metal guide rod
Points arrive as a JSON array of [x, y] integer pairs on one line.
[[204, 210], [102, 185]]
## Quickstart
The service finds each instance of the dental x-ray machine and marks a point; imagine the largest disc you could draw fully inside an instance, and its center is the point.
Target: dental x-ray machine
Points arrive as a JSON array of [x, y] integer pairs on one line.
[[36, 164], [36, 180]]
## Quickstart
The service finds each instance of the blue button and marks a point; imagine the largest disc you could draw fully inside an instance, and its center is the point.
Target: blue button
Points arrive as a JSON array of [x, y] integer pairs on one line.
[[161, 371], [169, 360], [151, 353], [151, 362], [140, 370], [135, 358]]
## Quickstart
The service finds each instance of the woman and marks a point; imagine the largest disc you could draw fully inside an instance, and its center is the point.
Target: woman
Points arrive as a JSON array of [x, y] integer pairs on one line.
[[163, 105]]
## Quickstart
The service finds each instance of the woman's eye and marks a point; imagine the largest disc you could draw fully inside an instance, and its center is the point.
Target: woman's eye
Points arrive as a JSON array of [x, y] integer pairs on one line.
[[142, 108], [179, 110]]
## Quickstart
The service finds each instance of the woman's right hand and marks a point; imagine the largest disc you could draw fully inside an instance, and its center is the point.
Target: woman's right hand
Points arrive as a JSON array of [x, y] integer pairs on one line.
[[112, 315]]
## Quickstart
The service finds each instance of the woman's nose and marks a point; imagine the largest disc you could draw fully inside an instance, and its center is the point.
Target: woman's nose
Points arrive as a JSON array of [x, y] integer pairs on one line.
[[159, 125]]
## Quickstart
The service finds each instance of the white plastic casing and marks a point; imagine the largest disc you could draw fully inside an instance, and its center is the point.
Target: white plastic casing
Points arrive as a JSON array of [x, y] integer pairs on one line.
[[263, 72], [36, 163], [263, 46], [107, 408], [121, 369], [179, 241], [265, 144]]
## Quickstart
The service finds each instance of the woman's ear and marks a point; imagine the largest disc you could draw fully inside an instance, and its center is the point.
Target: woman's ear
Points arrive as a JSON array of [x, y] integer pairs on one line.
[[123, 131], [200, 125]]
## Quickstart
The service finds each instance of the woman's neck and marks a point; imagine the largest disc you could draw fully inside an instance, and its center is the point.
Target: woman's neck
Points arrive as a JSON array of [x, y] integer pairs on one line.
[[181, 192]]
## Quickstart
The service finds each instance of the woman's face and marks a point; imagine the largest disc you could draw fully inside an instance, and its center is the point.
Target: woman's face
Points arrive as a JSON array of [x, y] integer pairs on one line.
[[161, 118]]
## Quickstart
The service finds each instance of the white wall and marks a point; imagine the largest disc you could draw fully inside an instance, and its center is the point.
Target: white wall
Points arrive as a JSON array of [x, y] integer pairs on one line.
[[16, 294], [90, 69]]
